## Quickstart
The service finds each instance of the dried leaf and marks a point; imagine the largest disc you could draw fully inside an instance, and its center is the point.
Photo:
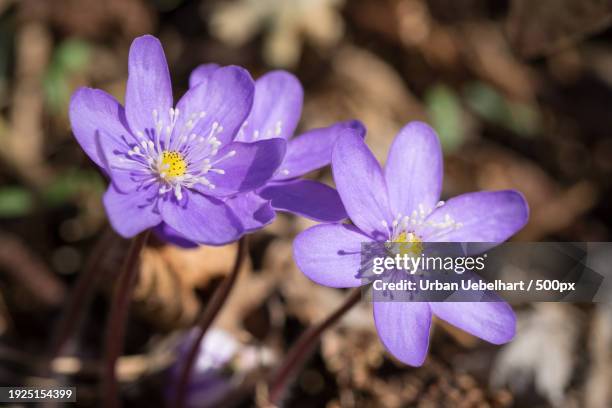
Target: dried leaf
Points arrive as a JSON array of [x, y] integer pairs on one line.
[[543, 351], [486, 51], [92, 18], [379, 99], [199, 265], [285, 24], [542, 27], [553, 208], [162, 296], [305, 299], [23, 146], [29, 272], [598, 391], [165, 293]]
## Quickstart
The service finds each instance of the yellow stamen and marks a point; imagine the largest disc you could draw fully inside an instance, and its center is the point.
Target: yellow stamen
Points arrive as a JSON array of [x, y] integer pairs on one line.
[[409, 244], [172, 164]]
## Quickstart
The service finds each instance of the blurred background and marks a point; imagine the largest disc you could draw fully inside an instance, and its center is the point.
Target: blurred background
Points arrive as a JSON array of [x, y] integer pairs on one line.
[[520, 93]]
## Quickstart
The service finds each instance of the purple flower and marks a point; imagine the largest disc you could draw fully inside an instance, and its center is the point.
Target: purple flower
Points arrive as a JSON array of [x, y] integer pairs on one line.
[[221, 366], [401, 204], [277, 107], [174, 167]]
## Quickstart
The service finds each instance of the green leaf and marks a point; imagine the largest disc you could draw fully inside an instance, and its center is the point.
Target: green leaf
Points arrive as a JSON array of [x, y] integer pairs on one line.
[[70, 56], [525, 120], [445, 111], [492, 106], [56, 89], [68, 185], [486, 102], [15, 202]]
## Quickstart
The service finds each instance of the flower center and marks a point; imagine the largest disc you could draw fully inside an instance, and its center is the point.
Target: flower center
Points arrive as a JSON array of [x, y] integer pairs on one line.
[[172, 164], [408, 243], [406, 231], [174, 156]]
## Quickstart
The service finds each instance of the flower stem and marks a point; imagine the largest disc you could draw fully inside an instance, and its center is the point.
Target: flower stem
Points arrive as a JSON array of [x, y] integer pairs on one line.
[[206, 319], [75, 308], [303, 347], [117, 320]]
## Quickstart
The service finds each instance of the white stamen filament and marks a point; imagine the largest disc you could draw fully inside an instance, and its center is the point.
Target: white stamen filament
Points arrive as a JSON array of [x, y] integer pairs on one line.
[[174, 155], [419, 219]]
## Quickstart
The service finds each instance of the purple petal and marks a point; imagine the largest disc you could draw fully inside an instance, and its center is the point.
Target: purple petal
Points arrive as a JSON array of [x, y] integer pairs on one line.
[[92, 113], [276, 107], [414, 169], [361, 185], [403, 328], [201, 219], [494, 322], [313, 149], [132, 213], [330, 254], [217, 106], [253, 211], [171, 236], [121, 172], [250, 166], [307, 198], [148, 86], [487, 216], [202, 73]]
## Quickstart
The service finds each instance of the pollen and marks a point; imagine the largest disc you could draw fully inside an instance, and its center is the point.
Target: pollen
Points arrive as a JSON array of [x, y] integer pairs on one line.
[[409, 244], [172, 164]]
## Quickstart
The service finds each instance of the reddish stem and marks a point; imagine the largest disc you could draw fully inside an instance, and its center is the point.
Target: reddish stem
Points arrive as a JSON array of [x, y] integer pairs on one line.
[[206, 319], [117, 320], [303, 348], [81, 294]]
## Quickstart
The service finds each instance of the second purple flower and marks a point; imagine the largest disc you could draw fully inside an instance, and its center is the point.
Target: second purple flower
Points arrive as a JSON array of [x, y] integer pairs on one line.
[[400, 204]]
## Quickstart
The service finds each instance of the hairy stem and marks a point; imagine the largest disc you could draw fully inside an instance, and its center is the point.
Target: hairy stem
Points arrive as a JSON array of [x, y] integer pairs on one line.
[[303, 348], [117, 320], [206, 319]]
